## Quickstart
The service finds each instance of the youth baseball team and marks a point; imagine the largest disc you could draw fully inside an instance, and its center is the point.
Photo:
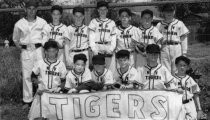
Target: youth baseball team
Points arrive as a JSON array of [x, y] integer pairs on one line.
[[102, 56]]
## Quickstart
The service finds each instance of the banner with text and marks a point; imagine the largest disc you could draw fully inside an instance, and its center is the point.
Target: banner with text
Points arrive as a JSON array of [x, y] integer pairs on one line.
[[109, 105]]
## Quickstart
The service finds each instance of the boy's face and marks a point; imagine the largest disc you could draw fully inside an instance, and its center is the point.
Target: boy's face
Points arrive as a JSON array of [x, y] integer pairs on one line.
[[99, 68], [31, 11], [182, 67], [102, 11], [169, 15], [152, 57], [123, 62], [56, 15], [78, 17], [79, 66], [125, 18], [51, 53], [146, 19]]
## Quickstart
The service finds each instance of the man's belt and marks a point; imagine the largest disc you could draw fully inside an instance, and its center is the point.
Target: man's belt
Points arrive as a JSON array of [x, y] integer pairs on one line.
[[105, 55], [31, 46], [186, 101], [103, 43], [80, 50], [171, 43]]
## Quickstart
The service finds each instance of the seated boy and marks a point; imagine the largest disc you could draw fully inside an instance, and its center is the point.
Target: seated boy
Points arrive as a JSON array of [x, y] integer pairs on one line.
[[154, 75], [189, 88], [78, 76], [126, 76], [102, 76]]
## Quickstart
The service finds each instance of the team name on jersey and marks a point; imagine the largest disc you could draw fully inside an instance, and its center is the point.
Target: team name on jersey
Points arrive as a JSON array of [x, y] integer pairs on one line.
[[56, 33], [153, 77], [104, 30], [171, 33], [80, 35], [148, 37], [125, 36], [53, 73]]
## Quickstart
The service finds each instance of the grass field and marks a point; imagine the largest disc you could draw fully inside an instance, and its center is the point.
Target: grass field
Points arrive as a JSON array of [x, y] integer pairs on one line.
[[10, 78]]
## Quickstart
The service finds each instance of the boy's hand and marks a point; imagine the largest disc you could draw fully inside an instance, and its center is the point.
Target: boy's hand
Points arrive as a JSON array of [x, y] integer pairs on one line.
[[105, 87], [73, 90]]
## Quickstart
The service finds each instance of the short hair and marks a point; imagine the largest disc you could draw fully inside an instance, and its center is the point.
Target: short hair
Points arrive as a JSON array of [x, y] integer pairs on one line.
[[123, 54], [98, 60], [57, 7], [51, 44], [102, 4], [125, 10], [168, 8], [147, 11], [184, 59], [80, 57], [153, 48], [79, 9], [31, 3]]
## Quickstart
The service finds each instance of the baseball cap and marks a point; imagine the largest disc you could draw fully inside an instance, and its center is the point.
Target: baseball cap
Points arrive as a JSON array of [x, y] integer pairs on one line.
[[98, 60], [147, 11], [152, 48], [57, 7], [79, 9], [80, 57], [102, 4], [31, 3], [168, 8], [125, 10], [123, 54]]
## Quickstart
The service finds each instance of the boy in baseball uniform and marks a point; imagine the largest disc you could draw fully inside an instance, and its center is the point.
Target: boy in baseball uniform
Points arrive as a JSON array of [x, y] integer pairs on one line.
[[149, 35], [189, 88], [126, 33], [102, 76], [175, 38], [27, 36], [126, 76], [78, 76], [79, 37], [56, 30], [154, 75], [103, 35]]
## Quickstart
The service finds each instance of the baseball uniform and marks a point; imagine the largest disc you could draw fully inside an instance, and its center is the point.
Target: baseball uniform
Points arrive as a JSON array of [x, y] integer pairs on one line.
[[28, 35], [173, 46], [156, 77], [103, 40], [79, 42], [150, 35], [190, 88], [50, 74], [74, 80], [129, 77], [106, 78], [124, 41], [57, 33]]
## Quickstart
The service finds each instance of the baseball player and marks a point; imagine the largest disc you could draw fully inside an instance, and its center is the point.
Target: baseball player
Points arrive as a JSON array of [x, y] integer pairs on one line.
[[126, 33], [126, 76], [189, 88], [79, 75], [56, 30], [175, 38], [103, 35], [27, 36], [79, 37], [102, 77], [149, 35], [154, 75]]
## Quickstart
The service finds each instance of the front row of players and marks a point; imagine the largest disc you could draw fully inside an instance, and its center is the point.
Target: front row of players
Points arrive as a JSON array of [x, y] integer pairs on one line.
[[50, 74]]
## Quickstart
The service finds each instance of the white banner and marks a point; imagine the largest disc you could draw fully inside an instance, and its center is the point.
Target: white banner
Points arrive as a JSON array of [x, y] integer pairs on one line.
[[109, 105]]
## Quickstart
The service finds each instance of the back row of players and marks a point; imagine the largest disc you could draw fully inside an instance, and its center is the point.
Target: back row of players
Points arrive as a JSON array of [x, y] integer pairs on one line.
[[145, 48]]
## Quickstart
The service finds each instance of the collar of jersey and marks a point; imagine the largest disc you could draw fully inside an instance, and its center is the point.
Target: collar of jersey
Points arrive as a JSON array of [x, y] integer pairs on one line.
[[150, 68], [142, 28], [119, 71], [105, 71], [165, 23], [33, 21], [120, 27], [50, 63], [61, 24], [100, 20], [75, 74], [73, 25], [180, 78]]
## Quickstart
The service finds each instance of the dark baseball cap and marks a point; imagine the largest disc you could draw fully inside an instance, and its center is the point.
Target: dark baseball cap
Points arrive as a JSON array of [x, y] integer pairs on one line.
[[79, 9], [125, 10], [102, 4], [153, 48], [98, 60], [31, 3], [147, 11], [123, 54], [168, 8]]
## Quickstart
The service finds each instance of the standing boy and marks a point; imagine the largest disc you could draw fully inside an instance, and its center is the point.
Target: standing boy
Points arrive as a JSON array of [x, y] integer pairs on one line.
[[27, 36], [175, 38], [103, 35]]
